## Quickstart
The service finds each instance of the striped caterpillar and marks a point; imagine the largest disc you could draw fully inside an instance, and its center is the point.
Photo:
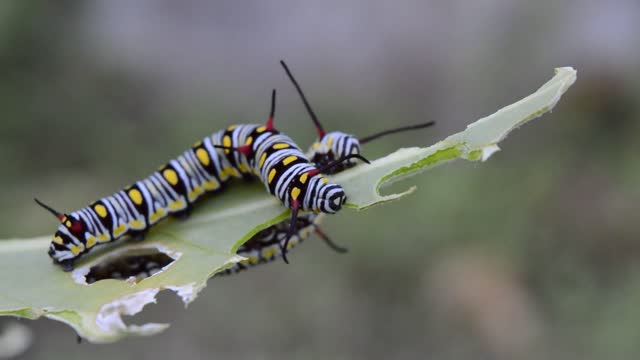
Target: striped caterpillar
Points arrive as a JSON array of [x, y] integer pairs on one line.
[[268, 245], [240, 151]]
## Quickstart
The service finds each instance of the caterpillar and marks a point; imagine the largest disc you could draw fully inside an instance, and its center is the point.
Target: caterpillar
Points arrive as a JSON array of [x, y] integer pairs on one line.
[[267, 245], [240, 151]]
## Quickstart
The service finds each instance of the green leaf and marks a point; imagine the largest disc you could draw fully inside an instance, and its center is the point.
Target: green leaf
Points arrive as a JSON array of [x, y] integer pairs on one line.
[[206, 242]]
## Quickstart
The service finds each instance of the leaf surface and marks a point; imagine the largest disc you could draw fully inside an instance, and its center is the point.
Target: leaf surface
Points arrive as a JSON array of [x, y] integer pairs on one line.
[[206, 243]]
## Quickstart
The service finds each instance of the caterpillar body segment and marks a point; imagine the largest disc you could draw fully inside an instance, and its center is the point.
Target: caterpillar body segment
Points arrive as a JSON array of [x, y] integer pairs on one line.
[[266, 246], [171, 190], [334, 145], [292, 178]]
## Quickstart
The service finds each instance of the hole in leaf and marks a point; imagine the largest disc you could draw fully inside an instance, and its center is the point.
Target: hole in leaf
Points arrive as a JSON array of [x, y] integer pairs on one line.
[[132, 266]]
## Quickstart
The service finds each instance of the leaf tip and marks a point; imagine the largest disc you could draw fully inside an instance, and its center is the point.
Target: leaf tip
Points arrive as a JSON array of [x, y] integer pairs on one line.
[[487, 151], [187, 293]]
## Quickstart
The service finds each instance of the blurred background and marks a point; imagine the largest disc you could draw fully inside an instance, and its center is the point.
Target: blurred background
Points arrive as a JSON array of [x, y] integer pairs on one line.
[[534, 254]]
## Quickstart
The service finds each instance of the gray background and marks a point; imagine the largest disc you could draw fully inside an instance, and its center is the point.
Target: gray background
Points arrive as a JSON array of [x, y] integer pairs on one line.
[[531, 255]]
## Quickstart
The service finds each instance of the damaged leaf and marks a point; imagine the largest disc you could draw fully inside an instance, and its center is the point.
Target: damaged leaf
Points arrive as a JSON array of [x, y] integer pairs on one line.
[[204, 244]]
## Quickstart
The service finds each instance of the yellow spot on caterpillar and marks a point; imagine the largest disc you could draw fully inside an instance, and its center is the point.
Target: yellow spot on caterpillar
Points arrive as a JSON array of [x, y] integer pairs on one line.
[[226, 141], [279, 146], [295, 192], [211, 185], [249, 140], [176, 205], [293, 242], [193, 194], [171, 176], [68, 223], [222, 175], [91, 241], [303, 178], [231, 171], [157, 215], [261, 129], [268, 253], [58, 240], [103, 237], [253, 259], [135, 196], [76, 249], [64, 218], [272, 174], [136, 224], [289, 159], [243, 168], [232, 127], [119, 230], [330, 141], [203, 156], [263, 158], [316, 146], [324, 180]]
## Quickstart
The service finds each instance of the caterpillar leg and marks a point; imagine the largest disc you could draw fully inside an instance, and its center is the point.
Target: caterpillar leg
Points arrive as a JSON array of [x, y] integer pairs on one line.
[[334, 163], [335, 247], [293, 229], [182, 215], [137, 235], [67, 265]]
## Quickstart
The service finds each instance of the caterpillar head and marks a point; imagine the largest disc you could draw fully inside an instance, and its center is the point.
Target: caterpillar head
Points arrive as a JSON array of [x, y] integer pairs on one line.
[[334, 199], [332, 146], [325, 196], [68, 242]]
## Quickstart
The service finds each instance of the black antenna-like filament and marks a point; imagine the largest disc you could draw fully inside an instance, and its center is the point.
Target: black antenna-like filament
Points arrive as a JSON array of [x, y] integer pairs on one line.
[[244, 149], [273, 110], [304, 100], [337, 162], [57, 214], [366, 139], [335, 247]]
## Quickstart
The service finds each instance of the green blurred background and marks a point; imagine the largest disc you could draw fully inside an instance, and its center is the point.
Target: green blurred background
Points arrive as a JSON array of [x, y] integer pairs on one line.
[[534, 254]]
